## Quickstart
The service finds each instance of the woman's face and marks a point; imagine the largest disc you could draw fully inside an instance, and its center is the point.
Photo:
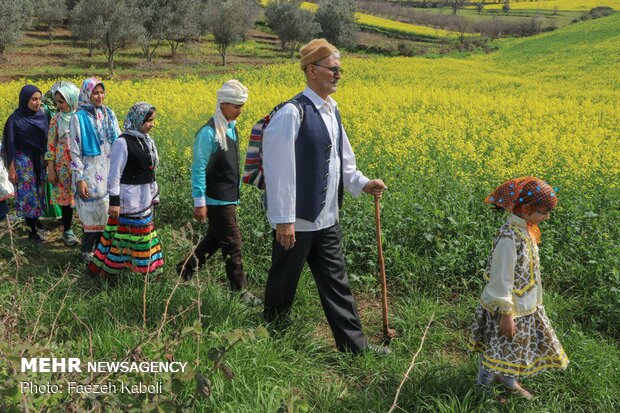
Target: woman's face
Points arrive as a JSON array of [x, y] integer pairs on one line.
[[148, 124], [98, 95], [34, 104], [61, 103]]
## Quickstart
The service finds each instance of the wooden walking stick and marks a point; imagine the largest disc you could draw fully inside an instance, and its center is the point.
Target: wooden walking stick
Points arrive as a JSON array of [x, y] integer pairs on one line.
[[388, 333]]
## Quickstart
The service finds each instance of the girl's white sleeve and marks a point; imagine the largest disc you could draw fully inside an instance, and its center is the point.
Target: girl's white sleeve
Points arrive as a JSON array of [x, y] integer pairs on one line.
[[117, 166], [497, 294], [75, 149]]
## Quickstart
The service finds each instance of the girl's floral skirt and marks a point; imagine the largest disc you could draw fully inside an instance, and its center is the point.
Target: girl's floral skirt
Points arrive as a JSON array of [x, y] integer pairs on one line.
[[30, 199], [130, 243], [534, 348]]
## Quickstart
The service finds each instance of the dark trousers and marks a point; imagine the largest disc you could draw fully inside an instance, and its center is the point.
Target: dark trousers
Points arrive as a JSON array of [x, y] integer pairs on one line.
[[224, 234], [67, 217], [323, 252], [89, 241]]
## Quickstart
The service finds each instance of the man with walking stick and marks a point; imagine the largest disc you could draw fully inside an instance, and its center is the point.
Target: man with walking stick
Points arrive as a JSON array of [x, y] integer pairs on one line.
[[308, 162]]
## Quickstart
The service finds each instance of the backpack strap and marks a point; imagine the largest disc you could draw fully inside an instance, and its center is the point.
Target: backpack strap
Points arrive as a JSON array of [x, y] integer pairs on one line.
[[295, 102]]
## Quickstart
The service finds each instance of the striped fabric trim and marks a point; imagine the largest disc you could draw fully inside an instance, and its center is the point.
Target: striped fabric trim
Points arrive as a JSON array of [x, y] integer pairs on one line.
[[130, 243]]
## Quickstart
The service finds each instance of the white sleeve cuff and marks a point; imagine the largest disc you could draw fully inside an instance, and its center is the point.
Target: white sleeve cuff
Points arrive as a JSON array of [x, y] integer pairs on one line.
[[200, 202], [356, 188], [282, 219]]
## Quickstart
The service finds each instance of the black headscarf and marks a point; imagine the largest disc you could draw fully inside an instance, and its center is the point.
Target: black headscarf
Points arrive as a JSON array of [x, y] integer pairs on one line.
[[26, 130]]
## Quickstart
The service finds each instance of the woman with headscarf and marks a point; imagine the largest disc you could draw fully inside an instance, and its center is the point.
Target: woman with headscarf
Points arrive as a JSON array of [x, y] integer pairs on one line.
[[49, 107], [58, 157], [93, 129], [23, 146], [215, 185], [130, 240]]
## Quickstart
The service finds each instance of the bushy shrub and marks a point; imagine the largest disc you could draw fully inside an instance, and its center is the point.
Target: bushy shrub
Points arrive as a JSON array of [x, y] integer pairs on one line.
[[596, 13]]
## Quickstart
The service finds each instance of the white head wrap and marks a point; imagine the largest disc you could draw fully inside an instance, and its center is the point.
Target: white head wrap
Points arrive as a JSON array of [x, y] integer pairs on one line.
[[230, 92]]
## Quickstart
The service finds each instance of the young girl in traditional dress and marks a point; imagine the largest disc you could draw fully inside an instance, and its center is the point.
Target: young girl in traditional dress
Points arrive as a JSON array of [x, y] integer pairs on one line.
[[23, 146], [130, 240], [50, 108], [58, 157], [511, 329], [93, 129]]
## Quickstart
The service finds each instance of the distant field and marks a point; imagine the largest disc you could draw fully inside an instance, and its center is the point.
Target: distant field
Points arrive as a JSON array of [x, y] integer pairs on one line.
[[583, 5], [367, 20]]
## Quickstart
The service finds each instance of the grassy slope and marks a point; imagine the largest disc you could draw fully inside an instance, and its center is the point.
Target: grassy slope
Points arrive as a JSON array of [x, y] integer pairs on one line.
[[303, 361]]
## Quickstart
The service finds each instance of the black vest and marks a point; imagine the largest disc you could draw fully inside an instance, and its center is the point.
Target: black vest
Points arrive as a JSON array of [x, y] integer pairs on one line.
[[222, 173], [139, 168], [312, 149]]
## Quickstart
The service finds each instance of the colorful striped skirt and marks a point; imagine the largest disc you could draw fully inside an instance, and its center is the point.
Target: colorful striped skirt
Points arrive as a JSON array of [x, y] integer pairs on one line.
[[128, 243]]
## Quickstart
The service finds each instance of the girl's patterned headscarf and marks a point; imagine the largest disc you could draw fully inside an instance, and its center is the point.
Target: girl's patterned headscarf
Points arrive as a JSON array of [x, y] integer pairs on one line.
[[49, 104], [526, 194], [88, 86], [136, 116], [70, 94]]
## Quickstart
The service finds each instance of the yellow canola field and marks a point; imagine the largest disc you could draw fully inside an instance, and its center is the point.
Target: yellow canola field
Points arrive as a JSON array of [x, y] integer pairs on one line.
[[584, 5], [413, 118]]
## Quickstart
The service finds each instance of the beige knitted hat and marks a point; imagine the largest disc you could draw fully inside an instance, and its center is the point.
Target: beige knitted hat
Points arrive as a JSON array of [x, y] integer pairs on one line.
[[314, 51]]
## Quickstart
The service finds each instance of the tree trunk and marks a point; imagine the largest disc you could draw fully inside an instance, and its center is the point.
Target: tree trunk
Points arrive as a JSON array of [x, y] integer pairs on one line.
[[148, 52], [174, 45], [222, 49], [111, 62]]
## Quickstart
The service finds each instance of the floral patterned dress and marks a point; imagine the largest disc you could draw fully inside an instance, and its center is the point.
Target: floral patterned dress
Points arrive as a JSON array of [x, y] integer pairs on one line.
[[30, 199], [514, 288], [58, 151]]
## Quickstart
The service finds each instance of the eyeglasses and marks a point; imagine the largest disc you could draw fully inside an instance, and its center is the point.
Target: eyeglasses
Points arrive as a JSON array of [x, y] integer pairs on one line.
[[335, 69]]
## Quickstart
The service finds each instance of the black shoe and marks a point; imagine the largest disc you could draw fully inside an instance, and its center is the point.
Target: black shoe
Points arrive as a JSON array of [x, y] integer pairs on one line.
[[185, 270], [380, 350], [35, 238]]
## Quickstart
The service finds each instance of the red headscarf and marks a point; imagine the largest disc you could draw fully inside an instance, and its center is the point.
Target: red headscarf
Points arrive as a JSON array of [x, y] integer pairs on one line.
[[526, 194]]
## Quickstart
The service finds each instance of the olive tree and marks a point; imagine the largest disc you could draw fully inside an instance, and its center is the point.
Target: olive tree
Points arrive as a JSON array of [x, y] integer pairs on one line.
[[109, 24], [12, 17], [50, 14], [455, 5], [228, 22], [337, 21], [293, 25], [156, 16], [184, 23]]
